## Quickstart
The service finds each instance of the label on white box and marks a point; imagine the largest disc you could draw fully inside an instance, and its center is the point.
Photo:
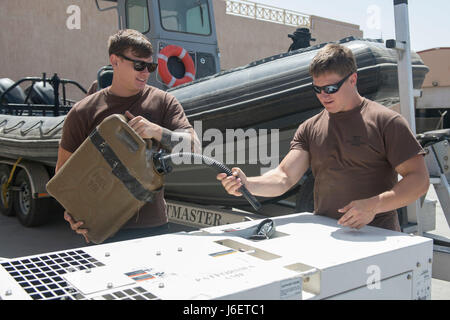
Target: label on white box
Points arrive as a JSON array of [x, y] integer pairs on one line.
[[290, 287], [98, 279]]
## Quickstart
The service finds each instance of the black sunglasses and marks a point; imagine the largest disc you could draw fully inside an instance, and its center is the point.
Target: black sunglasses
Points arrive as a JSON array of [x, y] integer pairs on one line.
[[140, 65], [331, 88]]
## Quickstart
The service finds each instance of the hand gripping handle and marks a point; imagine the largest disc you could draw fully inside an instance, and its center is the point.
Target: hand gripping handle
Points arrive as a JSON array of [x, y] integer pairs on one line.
[[247, 195], [250, 198]]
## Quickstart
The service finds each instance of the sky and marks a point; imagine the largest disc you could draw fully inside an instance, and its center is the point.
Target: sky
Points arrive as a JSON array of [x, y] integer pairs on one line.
[[429, 21]]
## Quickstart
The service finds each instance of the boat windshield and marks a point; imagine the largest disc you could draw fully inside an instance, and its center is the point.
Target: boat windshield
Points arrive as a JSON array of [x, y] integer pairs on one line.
[[187, 16], [137, 15]]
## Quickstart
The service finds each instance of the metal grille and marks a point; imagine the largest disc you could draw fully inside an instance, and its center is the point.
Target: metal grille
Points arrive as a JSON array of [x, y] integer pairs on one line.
[[257, 11], [137, 293], [41, 277]]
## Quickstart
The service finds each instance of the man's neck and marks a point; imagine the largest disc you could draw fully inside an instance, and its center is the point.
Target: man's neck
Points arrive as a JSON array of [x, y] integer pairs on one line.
[[120, 91], [355, 102]]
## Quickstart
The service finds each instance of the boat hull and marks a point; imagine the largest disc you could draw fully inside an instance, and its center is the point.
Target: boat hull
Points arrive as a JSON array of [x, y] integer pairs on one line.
[[32, 138]]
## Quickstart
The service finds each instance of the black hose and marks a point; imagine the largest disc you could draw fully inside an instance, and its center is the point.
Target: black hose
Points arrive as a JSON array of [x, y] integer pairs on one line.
[[162, 167]]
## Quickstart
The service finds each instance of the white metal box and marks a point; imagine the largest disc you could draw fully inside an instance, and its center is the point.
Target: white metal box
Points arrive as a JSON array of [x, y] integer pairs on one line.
[[309, 257]]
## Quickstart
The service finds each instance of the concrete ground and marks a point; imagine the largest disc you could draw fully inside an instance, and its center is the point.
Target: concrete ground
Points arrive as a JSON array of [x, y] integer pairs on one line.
[[18, 241], [442, 227], [440, 289]]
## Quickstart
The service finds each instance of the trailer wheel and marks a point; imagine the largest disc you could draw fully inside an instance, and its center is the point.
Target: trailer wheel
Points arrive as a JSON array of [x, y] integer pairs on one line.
[[31, 212], [6, 203]]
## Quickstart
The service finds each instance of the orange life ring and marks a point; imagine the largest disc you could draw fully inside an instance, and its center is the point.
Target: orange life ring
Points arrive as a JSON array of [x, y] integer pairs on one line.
[[163, 70]]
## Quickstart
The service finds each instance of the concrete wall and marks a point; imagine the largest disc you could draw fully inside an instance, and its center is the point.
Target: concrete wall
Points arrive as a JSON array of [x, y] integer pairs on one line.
[[326, 30], [436, 86], [243, 40], [35, 39], [438, 60], [434, 97]]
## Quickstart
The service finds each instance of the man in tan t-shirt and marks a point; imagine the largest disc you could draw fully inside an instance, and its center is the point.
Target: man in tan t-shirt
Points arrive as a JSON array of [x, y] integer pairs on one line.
[[355, 147], [153, 113]]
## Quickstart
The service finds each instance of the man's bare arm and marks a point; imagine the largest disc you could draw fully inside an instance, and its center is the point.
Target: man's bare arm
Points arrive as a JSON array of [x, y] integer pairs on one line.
[[274, 182], [63, 156], [168, 139], [413, 185]]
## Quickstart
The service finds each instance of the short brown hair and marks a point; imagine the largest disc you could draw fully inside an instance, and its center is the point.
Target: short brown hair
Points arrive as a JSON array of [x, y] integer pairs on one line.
[[333, 58], [130, 39]]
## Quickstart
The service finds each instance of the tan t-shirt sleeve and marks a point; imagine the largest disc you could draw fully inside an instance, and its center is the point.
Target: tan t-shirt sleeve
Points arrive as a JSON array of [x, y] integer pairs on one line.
[[72, 132], [93, 88], [399, 141], [300, 140], [174, 116]]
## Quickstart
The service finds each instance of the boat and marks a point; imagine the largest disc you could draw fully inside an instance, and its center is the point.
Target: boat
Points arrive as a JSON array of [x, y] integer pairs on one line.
[[273, 95], [31, 121]]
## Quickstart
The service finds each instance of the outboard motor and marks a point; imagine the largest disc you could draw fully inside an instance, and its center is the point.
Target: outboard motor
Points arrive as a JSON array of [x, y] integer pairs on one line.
[[300, 39], [16, 95], [41, 93]]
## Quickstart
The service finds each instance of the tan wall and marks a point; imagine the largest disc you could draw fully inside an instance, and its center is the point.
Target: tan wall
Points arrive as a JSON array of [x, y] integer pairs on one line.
[[35, 39], [243, 40], [434, 97], [326, 30], [438, 60]]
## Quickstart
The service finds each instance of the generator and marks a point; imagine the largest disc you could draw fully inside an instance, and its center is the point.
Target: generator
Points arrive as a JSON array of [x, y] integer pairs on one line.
[[300, 256]]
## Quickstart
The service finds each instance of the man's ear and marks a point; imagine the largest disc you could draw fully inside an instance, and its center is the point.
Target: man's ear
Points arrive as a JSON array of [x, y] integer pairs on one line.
[[354, 79], [113, 59]]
